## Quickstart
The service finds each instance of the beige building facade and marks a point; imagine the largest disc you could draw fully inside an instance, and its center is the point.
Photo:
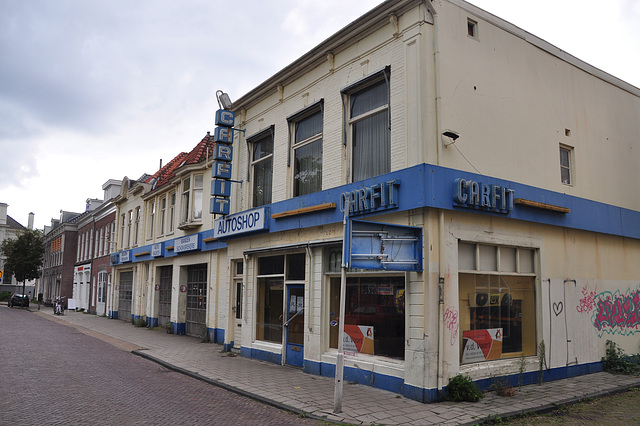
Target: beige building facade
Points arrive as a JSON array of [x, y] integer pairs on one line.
[[489, 174]]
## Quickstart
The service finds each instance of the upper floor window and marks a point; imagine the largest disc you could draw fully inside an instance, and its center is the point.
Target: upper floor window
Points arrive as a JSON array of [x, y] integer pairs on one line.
[[192, 198], [129, 227], [152, 215], [136, 231], [369, 123], [566, 160], [101, 243], [262, 167], [163, 214], [172, 211], [307, 151], [122, 223]]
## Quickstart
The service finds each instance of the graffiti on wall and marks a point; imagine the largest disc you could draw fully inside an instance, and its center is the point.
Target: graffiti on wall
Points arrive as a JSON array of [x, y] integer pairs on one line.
[[617, 313], [587, 302], [451, 322]]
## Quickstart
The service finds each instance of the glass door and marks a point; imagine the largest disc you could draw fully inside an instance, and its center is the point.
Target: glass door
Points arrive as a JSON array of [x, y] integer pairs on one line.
[[295, 325]]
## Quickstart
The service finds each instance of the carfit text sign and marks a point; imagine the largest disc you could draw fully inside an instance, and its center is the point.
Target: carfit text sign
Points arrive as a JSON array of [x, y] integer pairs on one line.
[[221, 168]]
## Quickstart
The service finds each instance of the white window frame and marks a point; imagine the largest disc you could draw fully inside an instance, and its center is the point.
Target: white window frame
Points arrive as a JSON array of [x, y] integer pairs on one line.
[[252, 142], [567, 169], [295, 144], [172, 212], [192, 199], [359, 87]]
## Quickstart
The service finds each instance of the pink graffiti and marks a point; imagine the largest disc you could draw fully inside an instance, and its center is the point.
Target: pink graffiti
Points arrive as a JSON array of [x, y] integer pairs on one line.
[[587, 303], [451, 322], [617, 313]]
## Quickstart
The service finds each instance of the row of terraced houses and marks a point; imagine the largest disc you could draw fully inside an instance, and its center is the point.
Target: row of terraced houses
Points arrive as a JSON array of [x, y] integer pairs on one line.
[[489, 182]]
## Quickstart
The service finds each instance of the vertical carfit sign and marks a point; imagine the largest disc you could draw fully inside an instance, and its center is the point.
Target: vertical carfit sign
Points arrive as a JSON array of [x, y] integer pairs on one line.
[[222, 155]]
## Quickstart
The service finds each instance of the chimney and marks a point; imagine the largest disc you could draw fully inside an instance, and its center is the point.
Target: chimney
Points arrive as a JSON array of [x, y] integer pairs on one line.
[[30, 223], [3, 213]]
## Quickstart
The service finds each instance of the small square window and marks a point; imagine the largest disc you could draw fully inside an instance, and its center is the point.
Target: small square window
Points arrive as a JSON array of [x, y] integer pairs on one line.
[[566, 165], [472, 29]]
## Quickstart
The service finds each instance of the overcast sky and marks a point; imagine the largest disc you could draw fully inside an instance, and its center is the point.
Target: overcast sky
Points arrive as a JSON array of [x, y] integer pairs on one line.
[[96, 90]]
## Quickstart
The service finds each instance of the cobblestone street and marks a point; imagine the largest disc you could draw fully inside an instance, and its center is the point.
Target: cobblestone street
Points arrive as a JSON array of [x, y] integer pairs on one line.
[[53, 374]]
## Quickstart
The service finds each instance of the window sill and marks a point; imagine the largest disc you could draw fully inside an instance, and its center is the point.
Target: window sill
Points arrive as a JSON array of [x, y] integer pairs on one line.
[[189, 225]]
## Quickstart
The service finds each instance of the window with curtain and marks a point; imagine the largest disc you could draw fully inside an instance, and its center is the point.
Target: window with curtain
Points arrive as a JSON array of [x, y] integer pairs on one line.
[[307, 154], [262, 165], [370, 132]]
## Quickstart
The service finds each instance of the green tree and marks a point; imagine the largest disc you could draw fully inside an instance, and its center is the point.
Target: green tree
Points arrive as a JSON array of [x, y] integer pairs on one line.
[[24, 255]]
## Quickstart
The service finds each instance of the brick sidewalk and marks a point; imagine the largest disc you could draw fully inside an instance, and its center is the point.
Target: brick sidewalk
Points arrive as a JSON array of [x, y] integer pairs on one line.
[[291, 389]]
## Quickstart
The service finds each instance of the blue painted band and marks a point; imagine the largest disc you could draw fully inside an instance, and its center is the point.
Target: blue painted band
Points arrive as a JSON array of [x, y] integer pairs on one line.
[[429, 186]]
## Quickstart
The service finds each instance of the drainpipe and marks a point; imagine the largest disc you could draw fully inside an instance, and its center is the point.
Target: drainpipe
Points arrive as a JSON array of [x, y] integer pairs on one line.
[[309, 311], [441, 227], [245, 285]]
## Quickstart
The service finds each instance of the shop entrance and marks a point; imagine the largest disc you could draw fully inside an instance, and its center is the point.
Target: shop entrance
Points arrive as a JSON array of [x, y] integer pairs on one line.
[[124, 295], [164, 304], [294, 325], [196, 300]]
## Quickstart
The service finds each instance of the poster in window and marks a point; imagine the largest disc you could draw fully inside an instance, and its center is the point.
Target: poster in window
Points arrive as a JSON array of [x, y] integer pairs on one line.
[[358, 339], [481, 345]]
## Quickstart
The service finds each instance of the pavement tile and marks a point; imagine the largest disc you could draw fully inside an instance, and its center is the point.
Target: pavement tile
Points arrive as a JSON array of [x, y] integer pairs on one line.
[[314, 394]]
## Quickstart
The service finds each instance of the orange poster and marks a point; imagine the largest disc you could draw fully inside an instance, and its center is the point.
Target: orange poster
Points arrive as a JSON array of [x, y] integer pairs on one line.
[[481, 345], [358, 338]]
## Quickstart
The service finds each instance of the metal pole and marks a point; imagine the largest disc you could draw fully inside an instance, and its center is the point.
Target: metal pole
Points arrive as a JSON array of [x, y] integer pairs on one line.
[[337, 399]]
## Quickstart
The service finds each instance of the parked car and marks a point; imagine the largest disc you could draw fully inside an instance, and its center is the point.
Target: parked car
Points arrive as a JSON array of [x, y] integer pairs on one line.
[[17, 299]]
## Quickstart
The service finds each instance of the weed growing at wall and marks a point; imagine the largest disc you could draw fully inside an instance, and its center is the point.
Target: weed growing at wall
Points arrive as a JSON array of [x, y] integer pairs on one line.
[[542, 361], [140, 322], [502, 387], [617, 362], [461, 388], [522, 365]]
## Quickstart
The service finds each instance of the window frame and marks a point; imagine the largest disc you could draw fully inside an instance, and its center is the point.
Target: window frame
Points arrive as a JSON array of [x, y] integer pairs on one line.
[[172, 212], [568, 167], [295, 145], [252, 142], [472, 29], [359, 87], [190, 204], [163, 214], [280, 277], [489, 262]]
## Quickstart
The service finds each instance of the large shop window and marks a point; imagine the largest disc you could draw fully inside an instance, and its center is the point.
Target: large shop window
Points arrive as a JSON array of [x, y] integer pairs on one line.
[[270, 297], [368, 119], [374, 311], [307, 151], [497, 302]]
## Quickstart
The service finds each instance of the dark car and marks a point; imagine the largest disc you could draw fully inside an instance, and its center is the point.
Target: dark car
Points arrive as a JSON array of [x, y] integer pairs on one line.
[[18, 300]]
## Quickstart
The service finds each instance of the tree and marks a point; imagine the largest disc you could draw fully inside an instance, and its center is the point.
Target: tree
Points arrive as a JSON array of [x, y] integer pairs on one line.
[[24, 255]]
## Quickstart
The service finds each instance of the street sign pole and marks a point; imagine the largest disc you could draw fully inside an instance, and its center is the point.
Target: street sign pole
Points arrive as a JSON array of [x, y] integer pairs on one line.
[[346, 250]]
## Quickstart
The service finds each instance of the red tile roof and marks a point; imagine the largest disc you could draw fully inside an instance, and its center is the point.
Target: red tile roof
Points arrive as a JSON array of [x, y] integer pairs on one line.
[[199, 153]]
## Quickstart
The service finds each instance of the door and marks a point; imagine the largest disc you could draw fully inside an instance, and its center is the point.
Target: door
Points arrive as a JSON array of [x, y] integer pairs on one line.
[[164, 296], [237, 308], [197, 301], [101, 293], [124, 296], [294, 325]]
